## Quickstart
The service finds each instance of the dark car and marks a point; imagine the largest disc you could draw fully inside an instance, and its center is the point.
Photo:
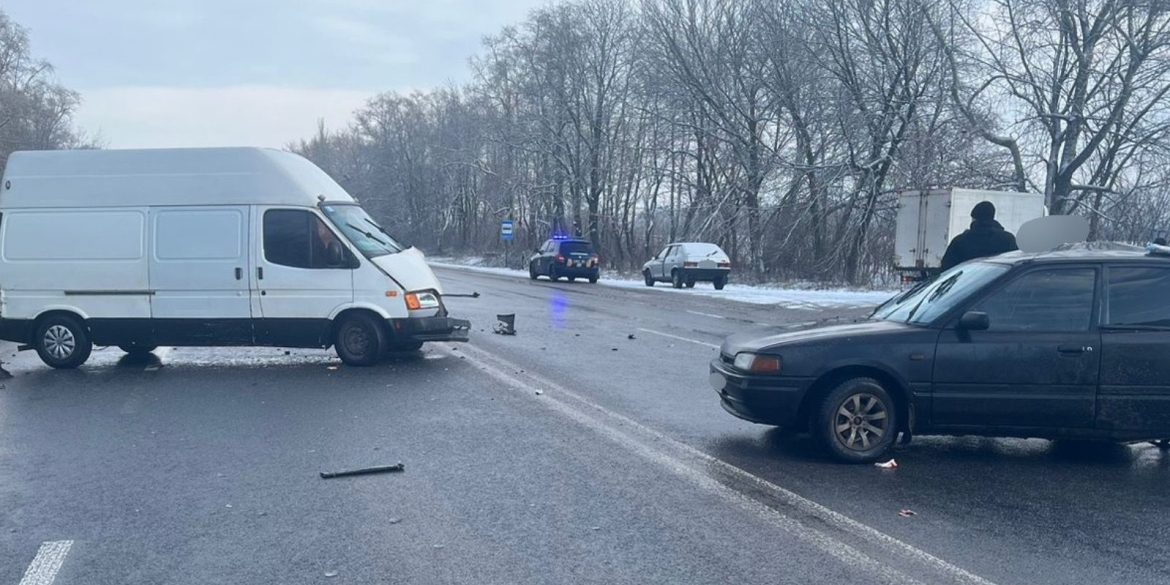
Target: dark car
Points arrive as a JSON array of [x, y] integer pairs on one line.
[[569, 258], [1073, 343]]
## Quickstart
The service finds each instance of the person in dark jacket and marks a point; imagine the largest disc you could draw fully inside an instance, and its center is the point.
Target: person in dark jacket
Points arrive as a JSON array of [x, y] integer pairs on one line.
[[986, 237]]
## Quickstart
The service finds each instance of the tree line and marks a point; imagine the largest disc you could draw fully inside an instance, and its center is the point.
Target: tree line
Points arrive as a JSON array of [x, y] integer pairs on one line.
[[36, 112], [779, 129]]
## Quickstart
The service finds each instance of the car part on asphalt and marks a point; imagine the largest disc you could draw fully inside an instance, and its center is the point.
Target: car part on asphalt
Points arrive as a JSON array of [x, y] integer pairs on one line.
[[364, 471]]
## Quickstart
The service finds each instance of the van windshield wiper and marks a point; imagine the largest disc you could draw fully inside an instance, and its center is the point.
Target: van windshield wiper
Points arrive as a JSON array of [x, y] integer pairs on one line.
[[365, 233]]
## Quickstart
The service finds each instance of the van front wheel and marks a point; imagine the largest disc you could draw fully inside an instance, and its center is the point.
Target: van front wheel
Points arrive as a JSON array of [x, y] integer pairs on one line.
[[62, 341], [361, 339]]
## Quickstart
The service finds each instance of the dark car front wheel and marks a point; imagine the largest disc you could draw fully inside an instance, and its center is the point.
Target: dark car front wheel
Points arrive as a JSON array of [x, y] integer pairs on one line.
[[857, 421], [532, 271]]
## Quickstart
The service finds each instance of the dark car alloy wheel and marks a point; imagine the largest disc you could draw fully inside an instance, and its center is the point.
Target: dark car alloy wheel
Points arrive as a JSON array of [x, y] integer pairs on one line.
[[857, 421]]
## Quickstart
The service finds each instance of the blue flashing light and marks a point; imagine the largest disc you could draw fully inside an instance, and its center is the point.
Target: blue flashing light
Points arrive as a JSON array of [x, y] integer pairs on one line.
[[561, 236]]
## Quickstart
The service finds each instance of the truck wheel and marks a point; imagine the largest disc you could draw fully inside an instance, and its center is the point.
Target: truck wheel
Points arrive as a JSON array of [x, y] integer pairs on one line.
[[720, 283], [649, 279], [676, 278], [133, 349], [62, 341], [690, 283], [532, 271], [360, 340], [857, 421]]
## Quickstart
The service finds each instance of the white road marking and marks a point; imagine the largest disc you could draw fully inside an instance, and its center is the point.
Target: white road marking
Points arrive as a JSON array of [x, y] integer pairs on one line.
[[687, 339], [697, 467], [45, 565], [706, 315]]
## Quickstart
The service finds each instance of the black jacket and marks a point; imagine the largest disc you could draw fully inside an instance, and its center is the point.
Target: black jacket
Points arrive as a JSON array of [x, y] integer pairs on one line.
[[984, 238]]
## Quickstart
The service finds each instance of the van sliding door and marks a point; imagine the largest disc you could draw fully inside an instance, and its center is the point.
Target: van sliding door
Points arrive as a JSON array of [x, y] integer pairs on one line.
[[199, 272]]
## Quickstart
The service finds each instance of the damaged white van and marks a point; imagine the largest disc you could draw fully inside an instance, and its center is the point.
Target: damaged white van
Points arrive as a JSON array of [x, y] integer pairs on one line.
[[203, 247]]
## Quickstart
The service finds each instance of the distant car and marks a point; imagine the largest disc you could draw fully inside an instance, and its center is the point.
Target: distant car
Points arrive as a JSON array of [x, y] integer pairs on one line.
[[570, 258], [1065, 344], [685, 263]]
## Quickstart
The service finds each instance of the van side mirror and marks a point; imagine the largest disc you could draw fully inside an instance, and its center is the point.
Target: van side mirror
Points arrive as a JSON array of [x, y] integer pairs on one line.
[[974, 321]]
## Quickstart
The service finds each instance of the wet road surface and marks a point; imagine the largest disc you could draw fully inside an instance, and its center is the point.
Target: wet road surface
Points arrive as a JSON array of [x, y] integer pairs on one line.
[[566, 454]]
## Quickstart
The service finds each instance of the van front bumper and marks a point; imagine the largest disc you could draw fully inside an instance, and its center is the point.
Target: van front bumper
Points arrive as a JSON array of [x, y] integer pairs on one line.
[[431, 329]]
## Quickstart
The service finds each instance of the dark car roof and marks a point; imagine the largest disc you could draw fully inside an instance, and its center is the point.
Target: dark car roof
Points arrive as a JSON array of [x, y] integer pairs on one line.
[[1082, 252], [571, 240]]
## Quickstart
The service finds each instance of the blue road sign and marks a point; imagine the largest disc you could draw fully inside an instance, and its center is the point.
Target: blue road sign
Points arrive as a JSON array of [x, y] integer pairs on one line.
[[506, 230]]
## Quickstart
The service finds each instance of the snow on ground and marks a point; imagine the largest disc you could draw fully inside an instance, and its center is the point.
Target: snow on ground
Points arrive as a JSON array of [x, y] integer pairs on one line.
[[790, 298]]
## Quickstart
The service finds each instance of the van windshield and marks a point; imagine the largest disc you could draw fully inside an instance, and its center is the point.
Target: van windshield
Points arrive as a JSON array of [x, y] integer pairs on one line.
[[369, 237]]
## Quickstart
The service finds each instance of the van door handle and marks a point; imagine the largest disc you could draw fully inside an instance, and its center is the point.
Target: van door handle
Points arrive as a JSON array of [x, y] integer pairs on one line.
[[239, 273], [260, 273], [1073, 349]]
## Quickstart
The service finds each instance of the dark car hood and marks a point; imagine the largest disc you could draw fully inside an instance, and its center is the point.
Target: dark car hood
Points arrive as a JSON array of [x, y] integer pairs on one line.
[[757, 339]]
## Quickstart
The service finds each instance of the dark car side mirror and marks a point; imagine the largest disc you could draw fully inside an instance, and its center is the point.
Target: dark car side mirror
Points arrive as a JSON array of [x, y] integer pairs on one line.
[[974, 321]]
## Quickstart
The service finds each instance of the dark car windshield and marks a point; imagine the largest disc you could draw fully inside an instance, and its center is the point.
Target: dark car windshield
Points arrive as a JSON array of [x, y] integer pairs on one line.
[[368, 236], [949, 289], [576, 248]]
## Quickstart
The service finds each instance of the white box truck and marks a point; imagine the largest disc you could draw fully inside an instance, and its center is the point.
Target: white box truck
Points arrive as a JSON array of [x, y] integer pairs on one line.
[[928, 220], [203, 247]]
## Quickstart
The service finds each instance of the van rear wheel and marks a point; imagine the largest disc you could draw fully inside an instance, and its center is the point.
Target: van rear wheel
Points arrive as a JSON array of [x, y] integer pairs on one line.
[[62, 341], [360, 340]]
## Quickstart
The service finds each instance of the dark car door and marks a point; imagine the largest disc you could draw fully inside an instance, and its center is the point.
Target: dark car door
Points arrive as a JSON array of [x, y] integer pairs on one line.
[[1135, 350], [1036, 366], [542, 257]]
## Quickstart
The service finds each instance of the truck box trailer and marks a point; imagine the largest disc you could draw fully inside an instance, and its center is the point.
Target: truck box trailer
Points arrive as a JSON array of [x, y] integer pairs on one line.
[[929, 219]]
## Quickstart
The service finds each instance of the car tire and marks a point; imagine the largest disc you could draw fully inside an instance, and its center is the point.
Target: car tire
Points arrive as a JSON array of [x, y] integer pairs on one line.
[[360, 340], [849, 417], [572, 279], [532, 275], [720, 283], [137, 349], [593, 279], [552, 274], [62, 342], [676, 278], [649, 279], [691, 283]]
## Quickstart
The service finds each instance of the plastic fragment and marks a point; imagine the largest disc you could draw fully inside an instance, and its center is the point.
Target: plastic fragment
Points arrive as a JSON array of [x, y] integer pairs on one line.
[[907, 513], [891, 464]]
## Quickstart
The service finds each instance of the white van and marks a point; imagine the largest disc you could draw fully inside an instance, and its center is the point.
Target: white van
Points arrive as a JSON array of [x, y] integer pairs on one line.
[[203, 247]]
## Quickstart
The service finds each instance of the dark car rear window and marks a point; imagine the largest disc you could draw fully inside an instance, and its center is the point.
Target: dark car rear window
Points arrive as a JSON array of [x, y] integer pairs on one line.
[[576, 248]]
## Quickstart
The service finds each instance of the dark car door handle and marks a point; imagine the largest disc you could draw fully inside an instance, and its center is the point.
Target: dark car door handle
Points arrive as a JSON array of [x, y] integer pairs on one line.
[[1073, 349]]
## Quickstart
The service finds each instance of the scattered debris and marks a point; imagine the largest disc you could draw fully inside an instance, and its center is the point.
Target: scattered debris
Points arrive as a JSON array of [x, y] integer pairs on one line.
[[365, 471], [331, 368], [891, 464], [288, 353], [152, 368], [613, 349], [438, 546], [539, 392], [505, 324], [907, 513], [576, 335], [596, 528], [631, 336], [330, 574], [395, 520], [228, 506], [262, 514]]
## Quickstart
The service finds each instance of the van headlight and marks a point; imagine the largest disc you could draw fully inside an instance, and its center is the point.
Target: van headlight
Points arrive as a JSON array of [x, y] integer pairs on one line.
[[763, 364], [422, 300]]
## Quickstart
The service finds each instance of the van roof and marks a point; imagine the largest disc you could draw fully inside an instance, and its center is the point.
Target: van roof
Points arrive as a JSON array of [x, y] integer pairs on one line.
[[170, 176]]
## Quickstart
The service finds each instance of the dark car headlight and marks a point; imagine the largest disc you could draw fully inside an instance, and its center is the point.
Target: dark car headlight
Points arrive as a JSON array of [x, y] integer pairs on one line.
[[754, 362]]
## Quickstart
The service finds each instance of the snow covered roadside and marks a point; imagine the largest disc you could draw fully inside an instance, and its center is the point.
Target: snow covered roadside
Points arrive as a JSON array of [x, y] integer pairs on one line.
[[758, 295]]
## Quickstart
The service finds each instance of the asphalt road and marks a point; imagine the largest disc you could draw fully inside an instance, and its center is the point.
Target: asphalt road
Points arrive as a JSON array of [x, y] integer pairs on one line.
[[569, 453]]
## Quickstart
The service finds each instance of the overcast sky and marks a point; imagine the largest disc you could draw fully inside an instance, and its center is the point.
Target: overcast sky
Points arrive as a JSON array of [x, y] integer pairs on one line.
[[249, 72]]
